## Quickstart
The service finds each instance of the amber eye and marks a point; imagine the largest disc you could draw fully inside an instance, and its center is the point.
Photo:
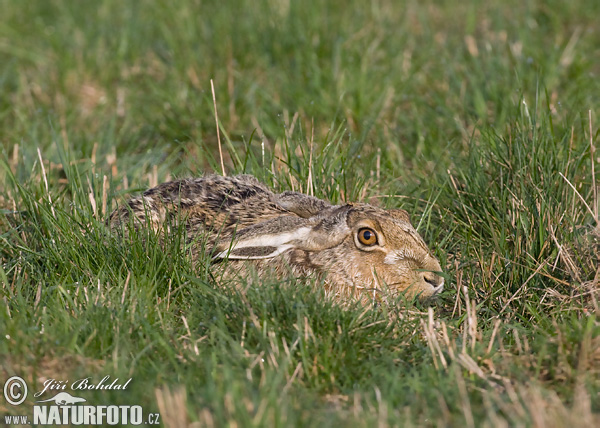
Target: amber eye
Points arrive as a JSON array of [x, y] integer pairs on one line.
[[367, 236]]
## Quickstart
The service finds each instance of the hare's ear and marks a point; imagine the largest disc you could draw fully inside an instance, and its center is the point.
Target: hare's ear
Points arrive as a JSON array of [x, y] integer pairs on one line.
[[302, 205], [273, 237]]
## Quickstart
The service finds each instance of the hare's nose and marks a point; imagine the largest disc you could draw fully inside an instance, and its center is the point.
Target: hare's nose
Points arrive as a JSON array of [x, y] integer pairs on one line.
[[436, 281]]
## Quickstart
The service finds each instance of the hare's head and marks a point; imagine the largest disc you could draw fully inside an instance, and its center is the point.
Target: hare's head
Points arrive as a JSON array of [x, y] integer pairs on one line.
[[382, 253], [361, 249]]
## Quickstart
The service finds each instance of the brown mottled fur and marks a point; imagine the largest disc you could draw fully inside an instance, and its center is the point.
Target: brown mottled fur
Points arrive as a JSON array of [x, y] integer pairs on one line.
[[292, 233]]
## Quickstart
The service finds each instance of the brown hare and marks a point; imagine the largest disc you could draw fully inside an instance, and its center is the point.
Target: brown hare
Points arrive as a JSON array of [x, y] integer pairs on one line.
[[358, 249]]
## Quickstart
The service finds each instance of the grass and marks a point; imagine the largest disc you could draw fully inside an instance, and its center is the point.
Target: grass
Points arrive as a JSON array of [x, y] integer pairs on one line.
[[480, 119]]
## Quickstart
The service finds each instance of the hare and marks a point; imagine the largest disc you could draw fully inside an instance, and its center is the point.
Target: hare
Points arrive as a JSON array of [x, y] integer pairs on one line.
[[358, 249]]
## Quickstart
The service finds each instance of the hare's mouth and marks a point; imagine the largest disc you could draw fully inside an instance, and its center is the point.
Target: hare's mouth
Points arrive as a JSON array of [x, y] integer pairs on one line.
[[435, 281], [438, 289]]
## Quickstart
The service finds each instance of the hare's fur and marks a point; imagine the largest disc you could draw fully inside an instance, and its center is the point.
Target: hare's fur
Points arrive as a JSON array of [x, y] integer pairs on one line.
[[291, 234]]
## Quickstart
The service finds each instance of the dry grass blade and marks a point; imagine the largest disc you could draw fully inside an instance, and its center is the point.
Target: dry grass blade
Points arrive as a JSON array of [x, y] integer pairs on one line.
[[593, 161], [46, 181], [212, 87], [172, 406], [594, 216]]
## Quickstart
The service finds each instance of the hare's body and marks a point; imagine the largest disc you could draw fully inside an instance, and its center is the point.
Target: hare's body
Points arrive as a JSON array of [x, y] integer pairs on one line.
[[358, 248]]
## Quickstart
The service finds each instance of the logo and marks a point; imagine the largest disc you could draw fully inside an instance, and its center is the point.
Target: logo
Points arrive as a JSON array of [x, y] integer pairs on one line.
[[15, 390], [63, 399], [69, 409]]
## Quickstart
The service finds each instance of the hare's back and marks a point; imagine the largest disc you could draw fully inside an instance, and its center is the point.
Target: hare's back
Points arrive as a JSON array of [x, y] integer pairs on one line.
[[212, 192], [237, 201]]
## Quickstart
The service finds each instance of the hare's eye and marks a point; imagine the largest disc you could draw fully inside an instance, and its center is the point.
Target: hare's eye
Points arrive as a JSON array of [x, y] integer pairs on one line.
[[367, 236]]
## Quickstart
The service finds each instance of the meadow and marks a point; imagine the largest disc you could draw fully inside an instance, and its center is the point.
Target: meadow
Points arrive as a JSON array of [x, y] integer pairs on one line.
[[480, 118]]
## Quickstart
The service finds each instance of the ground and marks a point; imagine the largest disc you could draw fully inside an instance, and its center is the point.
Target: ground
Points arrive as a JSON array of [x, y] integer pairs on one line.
[[479, 118]]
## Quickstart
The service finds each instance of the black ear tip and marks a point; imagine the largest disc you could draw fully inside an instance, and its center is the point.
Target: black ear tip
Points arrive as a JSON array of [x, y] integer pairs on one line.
[[252, 252]]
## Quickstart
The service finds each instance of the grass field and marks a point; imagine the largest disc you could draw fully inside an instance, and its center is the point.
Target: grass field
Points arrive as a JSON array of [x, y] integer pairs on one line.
[[480, 118]]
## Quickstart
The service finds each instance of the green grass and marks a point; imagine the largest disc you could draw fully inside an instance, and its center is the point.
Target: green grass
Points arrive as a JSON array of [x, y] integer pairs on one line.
[[474, 117]]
